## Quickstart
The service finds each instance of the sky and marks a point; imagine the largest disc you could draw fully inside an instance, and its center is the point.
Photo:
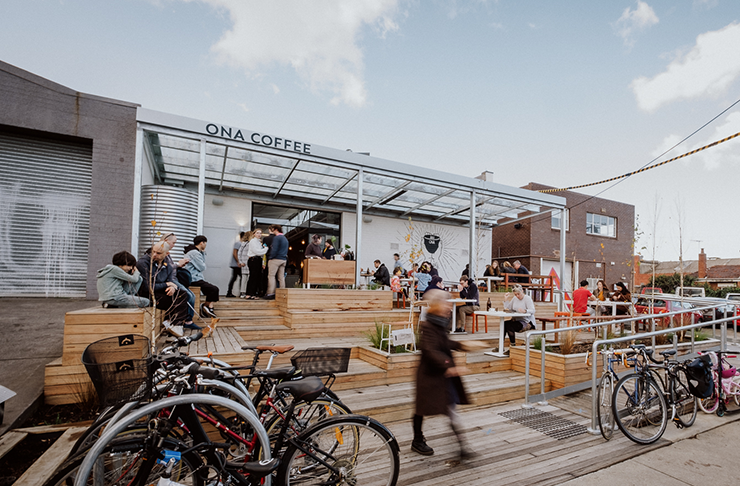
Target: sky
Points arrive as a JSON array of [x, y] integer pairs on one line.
[[561, 93]]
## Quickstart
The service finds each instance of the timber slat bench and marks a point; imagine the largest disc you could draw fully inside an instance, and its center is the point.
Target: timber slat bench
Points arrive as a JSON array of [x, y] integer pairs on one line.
[[66, 380]]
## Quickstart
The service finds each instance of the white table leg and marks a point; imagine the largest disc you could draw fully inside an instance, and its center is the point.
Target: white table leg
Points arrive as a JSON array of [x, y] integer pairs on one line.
[[500, 353]]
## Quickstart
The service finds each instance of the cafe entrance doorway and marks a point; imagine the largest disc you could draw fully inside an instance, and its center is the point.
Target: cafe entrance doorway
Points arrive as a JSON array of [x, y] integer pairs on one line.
[[298, 226]]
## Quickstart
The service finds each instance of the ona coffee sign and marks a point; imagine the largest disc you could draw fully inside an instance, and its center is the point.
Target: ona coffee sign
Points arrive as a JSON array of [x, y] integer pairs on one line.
[[258, 138]]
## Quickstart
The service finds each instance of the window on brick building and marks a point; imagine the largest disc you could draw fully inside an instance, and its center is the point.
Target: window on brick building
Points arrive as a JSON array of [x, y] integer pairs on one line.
[[555, 220], [597, 224]]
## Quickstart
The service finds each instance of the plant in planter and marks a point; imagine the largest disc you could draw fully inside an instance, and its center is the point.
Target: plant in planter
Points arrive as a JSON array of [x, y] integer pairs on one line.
[[379, 336]]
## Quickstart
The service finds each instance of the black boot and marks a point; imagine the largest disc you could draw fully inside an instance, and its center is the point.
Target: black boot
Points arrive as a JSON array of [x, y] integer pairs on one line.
[[419, 444]]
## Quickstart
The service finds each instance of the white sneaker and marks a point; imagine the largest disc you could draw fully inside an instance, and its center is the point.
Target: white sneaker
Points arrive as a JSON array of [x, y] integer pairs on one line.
[[242, 296], [166, 323]]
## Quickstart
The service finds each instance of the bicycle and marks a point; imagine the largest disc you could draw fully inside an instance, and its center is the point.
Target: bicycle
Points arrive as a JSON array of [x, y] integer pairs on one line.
[[640, 399], [728, 386], [348, 449], [606, 388]]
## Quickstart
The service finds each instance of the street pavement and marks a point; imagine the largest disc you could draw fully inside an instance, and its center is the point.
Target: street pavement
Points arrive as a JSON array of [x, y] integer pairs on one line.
[[32, 336]]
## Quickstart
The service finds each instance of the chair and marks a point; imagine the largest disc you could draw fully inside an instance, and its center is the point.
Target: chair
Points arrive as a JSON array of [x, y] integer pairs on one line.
[[400, 297], [400, 325], [476, 315]]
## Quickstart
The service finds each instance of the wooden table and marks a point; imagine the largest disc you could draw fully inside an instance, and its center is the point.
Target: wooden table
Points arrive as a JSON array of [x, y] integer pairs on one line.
[[611, 303], [335, 272], [557, 320], [502, 316]]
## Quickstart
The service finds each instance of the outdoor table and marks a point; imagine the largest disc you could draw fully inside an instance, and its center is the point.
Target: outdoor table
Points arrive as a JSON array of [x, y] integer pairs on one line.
[[455, 302], [502, 316], [557, 320], [610, 303], [489, 280]]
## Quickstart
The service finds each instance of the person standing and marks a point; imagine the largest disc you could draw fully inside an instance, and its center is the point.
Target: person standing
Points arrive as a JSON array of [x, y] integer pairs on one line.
[[470, 292], [439, 388], [276, 260], [196, 266], [243, 257], [255, 251], [236, 267], [313, 249], [329, 250]]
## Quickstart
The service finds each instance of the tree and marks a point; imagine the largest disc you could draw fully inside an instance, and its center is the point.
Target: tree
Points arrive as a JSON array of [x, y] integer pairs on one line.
[[668, 283]]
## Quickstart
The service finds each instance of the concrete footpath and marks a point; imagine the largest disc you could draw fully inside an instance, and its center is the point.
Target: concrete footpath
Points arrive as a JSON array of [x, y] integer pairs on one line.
[[32, 336], [709, 457]]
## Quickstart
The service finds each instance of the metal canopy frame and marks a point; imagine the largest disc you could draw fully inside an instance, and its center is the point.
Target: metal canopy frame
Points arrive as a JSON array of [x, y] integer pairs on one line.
[[344, 181]]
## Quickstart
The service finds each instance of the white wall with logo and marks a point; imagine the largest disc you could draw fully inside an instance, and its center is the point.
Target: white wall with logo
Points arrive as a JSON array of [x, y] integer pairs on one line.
[[445, 246]]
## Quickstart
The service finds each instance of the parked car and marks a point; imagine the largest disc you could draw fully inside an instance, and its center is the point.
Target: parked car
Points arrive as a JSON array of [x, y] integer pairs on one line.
[[642, 306], [651, 290], [718, 312], [733, 297], [690, 291]]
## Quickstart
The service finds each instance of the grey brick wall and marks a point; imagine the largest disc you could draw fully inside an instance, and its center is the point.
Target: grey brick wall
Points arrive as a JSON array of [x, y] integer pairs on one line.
[[29, 102]]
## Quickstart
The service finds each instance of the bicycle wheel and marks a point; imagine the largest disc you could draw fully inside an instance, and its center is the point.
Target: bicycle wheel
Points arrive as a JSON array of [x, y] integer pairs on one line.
[[121, 460], [639, 409], [350, 449], [604, 400], [686, 404]]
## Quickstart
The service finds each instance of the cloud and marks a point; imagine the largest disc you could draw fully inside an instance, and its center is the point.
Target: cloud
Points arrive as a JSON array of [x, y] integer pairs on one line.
[[318, 39], [275, 88], [707, 70], [633, 21], [724, 154]]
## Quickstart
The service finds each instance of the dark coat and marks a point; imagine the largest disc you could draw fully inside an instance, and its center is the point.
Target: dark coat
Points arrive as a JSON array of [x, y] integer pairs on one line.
[[382, 276], [432, 389]]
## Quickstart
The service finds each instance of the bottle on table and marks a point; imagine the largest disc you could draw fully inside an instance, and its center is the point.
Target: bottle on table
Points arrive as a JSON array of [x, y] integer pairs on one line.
[[488, 305]]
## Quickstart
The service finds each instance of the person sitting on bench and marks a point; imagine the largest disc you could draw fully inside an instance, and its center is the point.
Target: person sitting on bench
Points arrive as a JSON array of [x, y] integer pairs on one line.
[[118, 283], [196, 265], [159, 276]]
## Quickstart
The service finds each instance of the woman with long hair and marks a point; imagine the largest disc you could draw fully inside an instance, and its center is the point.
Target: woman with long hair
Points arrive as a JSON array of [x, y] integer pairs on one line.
[[255, 251]]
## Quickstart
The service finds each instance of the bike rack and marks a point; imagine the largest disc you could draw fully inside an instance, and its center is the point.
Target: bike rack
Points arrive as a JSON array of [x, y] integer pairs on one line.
[[573, 388]]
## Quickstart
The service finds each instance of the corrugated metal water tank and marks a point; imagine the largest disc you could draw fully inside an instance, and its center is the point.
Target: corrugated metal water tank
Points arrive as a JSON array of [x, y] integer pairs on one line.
[[173, 210]]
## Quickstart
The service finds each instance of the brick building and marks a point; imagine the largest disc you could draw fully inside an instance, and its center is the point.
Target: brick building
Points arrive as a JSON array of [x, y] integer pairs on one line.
[[716, 272], [600, 239]]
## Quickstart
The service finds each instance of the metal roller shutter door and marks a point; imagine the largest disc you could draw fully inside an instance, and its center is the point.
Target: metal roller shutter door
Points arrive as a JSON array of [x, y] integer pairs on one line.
[[44, 216]]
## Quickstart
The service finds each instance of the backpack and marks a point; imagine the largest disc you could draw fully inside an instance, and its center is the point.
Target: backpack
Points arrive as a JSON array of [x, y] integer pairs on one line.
[[699, 374]]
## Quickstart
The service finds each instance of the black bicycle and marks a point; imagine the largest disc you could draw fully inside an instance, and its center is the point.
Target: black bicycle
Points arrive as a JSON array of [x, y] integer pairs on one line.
[[642, 399]]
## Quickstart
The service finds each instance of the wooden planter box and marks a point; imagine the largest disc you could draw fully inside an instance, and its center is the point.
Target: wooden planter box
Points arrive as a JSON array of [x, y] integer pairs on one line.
[[570, 369]]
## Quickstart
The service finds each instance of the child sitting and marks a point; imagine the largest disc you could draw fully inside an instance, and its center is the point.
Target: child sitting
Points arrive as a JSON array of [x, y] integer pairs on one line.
[[119, 282]]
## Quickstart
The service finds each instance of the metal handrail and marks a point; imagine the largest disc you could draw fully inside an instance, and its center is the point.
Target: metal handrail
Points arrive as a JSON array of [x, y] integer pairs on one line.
[[594, 405], [603, 324]]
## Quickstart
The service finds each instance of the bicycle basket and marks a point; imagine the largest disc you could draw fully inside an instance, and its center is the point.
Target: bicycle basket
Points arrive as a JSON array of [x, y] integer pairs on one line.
[[699, 374], [321, 361], [119, 368]]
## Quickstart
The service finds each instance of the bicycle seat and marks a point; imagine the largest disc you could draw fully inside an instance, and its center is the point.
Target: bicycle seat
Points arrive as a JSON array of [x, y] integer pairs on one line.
[[637, 346], [669, 352], [258, 469], [308, 388]]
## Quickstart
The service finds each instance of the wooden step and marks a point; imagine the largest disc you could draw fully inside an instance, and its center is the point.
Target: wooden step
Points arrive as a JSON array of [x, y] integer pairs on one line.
[[251, 321], [396, 401], [260, 332]]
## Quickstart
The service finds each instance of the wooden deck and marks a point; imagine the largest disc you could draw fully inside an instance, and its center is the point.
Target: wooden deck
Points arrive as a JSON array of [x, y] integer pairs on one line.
[[507, 452]]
